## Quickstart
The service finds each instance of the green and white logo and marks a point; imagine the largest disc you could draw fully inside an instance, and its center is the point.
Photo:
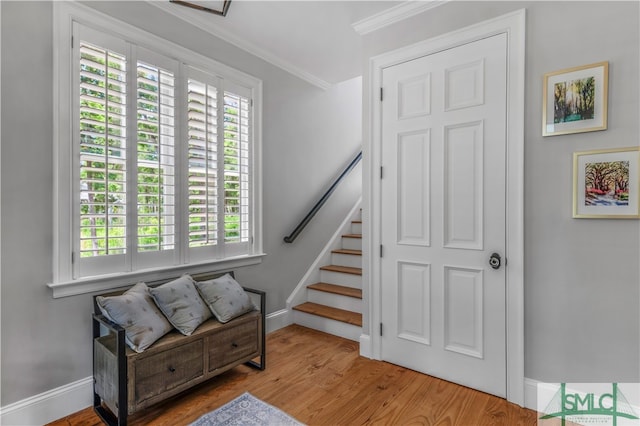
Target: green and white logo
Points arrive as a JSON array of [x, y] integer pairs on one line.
[[589, 404]]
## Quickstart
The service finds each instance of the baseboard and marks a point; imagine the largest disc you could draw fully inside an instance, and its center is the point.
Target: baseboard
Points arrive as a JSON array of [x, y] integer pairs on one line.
[[531, 393], [73, 397], [365, 346], [278, 319], [49, 406]]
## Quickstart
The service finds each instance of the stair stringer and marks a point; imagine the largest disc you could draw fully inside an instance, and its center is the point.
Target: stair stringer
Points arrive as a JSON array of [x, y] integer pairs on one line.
[[299, 294]]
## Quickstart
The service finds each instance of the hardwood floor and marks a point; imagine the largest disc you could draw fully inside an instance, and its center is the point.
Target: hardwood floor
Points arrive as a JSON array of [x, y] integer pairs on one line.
[[321, 380]]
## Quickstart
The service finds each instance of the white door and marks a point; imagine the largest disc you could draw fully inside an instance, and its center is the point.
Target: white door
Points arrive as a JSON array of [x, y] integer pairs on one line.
[[443, 214]]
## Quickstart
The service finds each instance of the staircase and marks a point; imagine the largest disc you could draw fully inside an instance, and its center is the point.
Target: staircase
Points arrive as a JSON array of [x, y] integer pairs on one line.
[[334, 305]]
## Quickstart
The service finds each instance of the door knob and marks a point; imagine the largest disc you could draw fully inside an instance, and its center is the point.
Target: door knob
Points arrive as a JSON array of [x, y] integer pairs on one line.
[[495, 261]]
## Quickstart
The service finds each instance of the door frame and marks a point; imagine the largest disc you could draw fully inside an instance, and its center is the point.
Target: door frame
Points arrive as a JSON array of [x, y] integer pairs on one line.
[[513, 24]]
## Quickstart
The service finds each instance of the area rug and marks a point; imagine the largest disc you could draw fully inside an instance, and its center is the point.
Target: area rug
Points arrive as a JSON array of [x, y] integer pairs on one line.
[[246, 410]]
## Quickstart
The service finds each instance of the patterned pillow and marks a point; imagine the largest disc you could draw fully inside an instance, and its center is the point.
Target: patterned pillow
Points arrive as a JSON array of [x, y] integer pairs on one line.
[[225, 297], [135, 311], [180, 302]]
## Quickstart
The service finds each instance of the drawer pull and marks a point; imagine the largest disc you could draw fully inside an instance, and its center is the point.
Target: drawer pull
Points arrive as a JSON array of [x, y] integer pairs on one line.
[[173, 370], [234, 345]]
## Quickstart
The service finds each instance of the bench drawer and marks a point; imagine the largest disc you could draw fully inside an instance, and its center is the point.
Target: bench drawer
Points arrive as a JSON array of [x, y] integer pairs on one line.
[[166, 370], [234, 343]]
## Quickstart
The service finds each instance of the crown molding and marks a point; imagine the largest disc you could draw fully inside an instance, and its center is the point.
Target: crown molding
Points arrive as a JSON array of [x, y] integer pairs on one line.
[[205, 25], [395, 14]]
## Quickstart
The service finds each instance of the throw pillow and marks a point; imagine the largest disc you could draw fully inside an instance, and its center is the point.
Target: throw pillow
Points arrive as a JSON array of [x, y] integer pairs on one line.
[[180, 302], [225, 297], [136, 312]]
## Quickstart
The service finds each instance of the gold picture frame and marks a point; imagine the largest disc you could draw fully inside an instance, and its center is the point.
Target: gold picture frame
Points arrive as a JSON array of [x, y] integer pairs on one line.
[[606, 184], [575, 100]]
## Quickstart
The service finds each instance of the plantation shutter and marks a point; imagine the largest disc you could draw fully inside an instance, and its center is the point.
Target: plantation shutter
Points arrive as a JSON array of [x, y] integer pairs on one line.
[[101, 143], [218, 167], [103, 154], [202, 99], [156, 220], [161, 161], [236, 166]]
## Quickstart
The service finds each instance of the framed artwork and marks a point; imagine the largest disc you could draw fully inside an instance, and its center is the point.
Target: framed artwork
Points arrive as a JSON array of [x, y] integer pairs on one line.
[[218, 7], [606, 184], [575, 100]]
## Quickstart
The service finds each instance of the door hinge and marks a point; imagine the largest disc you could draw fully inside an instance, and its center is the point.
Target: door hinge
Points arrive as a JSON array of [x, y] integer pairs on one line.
[[72, 42], [381, 329], [381, 94], [73, 257], [381, 172], [380, 250]]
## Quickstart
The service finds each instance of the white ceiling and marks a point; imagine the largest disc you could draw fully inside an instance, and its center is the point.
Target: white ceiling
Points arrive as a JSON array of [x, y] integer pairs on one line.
[[312, 39]]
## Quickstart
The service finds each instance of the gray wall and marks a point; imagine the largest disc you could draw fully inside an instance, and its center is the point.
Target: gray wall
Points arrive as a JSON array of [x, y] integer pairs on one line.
[[582, 277], [308, 136]]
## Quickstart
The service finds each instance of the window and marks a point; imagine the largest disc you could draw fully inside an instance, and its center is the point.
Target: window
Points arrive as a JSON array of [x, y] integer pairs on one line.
[[157, 158]]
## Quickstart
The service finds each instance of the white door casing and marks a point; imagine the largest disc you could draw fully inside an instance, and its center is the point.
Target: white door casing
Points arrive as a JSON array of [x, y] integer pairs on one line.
[[443, 214], [513, 26]]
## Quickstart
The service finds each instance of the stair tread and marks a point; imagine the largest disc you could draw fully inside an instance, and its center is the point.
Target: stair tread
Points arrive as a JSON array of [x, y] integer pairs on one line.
[[343, 269], [352, 236], [337, 289], [356, 221], [353, 318], [348, 251]]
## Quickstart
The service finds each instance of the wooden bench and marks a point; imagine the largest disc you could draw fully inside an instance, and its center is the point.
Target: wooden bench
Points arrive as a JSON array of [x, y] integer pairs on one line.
[[126, 381]]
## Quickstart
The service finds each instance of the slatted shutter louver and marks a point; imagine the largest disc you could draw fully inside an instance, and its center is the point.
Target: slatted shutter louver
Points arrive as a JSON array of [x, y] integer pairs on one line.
[[202, 102], [156, 158], [236, 167], [103, 167]]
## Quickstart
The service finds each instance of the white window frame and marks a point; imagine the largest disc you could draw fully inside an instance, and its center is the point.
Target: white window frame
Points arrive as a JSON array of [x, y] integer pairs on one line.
[[63, 282]]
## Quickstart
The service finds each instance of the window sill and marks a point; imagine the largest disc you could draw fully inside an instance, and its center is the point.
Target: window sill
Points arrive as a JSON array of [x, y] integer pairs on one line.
[[113, 281]]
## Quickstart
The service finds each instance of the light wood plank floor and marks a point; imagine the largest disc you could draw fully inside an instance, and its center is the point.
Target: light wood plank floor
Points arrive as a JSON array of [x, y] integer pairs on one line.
[[321, 380]]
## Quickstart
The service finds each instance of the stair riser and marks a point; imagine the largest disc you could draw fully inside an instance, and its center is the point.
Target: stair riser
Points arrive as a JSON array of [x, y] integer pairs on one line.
[[346, 260], [356, 228], [335, 300], [326, 325], [347, 280], [352, 243]]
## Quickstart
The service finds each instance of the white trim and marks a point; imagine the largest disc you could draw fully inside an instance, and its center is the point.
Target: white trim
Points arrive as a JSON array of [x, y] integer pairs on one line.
[[531, 393], [277, 320], [203, 23], [365, 346], [513, 24], [50, 405], [394, 14], [113, 281]]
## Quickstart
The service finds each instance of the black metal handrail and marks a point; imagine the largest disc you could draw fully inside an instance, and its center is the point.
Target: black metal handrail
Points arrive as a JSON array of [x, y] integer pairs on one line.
[[323, 199]]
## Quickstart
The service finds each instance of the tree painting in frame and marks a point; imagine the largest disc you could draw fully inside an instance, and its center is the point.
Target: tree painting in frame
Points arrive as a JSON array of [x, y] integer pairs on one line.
[[575, 100], [606, 184]]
